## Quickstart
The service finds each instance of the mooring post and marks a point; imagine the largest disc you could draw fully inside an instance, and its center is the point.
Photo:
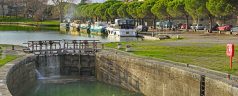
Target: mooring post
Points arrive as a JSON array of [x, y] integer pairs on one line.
[[13, 47], [74, 43], [32, 46], [40, 43], [102, 46], [94, 46], [36, 46], [46, 48], [51, 43]]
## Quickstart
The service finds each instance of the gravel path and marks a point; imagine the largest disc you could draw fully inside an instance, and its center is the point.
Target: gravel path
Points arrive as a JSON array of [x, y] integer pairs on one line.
[[203, 40]]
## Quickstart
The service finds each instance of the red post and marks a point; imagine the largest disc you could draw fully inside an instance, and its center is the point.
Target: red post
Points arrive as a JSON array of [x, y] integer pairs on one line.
[[230, 62], [230, 52]]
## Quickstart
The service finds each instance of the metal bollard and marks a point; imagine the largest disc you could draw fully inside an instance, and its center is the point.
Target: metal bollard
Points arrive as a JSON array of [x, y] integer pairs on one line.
[[178, 37], [128, 48], [102, 46], [119, 46], [13, 47]]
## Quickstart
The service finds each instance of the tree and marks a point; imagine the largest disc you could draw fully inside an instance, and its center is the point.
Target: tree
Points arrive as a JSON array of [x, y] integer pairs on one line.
[[132, 9], [176, 8], [81, 12], [146, 6], [92, 9], [69, 9], [141, 12], [121, 11], [2, 3], [35, 9], [60, 5], [112, 11], [222, 7], [102, 9], [160, 9], [197, 9]]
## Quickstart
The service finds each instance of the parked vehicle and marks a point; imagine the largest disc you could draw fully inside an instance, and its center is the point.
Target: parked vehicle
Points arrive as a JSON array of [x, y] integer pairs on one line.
[[234, 30], [183, 26], [142, 28], [225, 28], [164, 24], [168, 24], [197, 27], [215, 27]]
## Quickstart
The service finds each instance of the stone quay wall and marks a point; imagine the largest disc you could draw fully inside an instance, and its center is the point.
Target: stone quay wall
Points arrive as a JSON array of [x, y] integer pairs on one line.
[[159, 78], [17, 76]]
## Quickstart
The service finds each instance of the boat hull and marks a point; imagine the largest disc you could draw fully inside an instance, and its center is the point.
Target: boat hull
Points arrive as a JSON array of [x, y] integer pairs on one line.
[[122, 32]]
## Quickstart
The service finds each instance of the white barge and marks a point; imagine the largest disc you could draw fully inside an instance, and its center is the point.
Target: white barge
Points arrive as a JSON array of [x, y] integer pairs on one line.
[[122, 28]]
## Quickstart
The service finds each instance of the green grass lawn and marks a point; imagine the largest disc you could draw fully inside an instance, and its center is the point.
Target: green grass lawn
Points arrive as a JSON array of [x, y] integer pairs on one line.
[[43, 25], [7, 58], [211, 56], [28, 20], [14, 19], [26, 28], [51, 22]]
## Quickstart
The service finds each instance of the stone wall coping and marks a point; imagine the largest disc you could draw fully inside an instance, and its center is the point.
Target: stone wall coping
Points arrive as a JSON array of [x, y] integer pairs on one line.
[[216, 75], [4, 91]]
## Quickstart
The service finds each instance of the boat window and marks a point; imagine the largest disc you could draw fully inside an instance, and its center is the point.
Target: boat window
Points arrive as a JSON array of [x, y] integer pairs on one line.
[[130, 22], [127, 26]]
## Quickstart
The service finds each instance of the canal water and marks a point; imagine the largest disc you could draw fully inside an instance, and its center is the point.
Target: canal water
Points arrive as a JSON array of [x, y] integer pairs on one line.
[[20, 37], [80, 88]]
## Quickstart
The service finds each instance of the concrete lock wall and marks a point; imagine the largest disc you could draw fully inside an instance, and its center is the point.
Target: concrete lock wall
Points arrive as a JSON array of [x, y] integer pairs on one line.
[[66, 64], [17, 76], [154, 78]]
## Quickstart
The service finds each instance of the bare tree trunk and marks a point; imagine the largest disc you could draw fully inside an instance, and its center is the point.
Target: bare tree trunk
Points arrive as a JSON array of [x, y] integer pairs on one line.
[[61, 13], [224, 19], [154, 21], [3, 10], [211, 22], [143, 22], [25, 10], [187, 23], [169, 18], [59, 3]]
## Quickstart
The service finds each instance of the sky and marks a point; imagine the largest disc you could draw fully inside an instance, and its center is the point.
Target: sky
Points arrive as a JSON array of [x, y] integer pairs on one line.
[[93, 1], [77, 1]]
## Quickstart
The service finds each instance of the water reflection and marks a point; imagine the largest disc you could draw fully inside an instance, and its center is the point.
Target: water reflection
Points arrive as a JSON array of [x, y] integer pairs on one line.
[[20, 37], [123, 39], [80, 88]]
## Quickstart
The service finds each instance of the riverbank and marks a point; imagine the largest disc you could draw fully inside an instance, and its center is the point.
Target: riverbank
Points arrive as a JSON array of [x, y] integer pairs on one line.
[[27, 28], [30, 25], [202, 50], [8, 55]]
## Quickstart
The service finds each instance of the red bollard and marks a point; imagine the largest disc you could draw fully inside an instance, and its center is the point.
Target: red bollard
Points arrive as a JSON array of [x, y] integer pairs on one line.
[[230, 52]]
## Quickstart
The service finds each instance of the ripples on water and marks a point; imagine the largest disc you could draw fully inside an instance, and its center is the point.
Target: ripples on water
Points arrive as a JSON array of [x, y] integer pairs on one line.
[[80, 88], [20, 37]]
